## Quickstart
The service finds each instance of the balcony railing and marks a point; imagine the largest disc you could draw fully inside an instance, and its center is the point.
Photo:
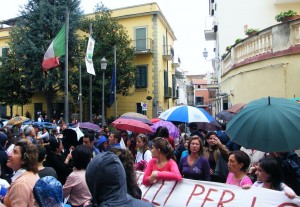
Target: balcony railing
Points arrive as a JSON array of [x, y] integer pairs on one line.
[[142, 46], [168, 52], [268, 43]]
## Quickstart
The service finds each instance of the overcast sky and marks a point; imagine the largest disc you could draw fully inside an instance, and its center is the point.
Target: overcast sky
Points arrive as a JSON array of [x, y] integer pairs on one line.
[[187, 19]]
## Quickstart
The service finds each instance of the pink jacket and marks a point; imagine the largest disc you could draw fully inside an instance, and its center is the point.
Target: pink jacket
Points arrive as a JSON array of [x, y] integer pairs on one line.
[[168, 172], [20, 191]]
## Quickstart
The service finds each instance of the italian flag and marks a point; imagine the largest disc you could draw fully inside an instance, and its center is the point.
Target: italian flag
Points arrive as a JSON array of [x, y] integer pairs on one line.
[[55, 50]]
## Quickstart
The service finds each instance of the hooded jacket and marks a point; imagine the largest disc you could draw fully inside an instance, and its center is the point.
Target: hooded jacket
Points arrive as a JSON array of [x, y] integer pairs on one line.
[[106, 179]]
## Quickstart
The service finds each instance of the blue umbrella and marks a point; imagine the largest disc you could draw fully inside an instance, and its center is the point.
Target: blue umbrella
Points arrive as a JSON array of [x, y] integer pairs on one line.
[[268, 125], [186, 114]]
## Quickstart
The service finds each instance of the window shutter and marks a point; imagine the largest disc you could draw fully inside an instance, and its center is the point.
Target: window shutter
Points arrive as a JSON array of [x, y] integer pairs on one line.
[[143, 77], [140, 34]]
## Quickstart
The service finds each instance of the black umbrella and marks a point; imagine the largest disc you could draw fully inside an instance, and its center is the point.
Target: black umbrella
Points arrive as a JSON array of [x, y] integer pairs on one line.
[[225, 115]]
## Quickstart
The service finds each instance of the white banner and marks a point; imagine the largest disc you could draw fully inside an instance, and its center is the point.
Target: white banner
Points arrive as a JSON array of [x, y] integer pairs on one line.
[[201, 193], [89, 56]]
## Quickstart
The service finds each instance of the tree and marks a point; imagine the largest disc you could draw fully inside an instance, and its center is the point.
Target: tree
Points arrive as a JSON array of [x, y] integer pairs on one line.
[[39, 23], [107, 32], [12, 90]]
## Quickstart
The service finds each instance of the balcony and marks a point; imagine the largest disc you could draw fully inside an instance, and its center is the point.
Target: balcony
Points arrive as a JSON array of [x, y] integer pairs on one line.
[[211, 28], [168, 52], [276, 41], [143, 46], [176, 64]]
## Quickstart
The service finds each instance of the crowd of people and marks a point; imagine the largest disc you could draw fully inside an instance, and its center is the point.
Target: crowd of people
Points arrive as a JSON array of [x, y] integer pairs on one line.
[[100, 170]]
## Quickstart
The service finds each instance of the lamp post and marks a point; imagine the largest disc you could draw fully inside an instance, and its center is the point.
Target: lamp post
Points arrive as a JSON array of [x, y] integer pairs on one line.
[[205, 54], [103, 68]]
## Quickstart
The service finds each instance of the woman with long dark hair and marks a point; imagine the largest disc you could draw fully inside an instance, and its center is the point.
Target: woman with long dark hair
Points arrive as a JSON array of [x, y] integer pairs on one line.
[[126, 158], [56, 159], [162, 166], [217, 155], [269, 175]]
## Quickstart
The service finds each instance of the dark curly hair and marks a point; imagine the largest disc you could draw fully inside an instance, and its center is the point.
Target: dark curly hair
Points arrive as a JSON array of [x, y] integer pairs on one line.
[[128, 163], [29, 156]]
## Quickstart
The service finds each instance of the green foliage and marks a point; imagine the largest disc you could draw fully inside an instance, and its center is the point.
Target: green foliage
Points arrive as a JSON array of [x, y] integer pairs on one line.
[[39, 23], [237, 40], [107, 32], [228, 48], [12, 89], [251, 31], [282, 15]]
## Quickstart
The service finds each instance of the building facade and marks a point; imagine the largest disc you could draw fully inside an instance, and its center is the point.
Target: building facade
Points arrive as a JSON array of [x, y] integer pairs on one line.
[[159, 83], [251, 67]]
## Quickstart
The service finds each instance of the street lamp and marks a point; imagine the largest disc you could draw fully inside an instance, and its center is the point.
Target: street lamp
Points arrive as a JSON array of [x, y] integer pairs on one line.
[[205, 54], [103, 68]]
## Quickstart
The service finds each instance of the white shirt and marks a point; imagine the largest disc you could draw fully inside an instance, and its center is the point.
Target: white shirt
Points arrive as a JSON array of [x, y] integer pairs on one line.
[[147, 156]]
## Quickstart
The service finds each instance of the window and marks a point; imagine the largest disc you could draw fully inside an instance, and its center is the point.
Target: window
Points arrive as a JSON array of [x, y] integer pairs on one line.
[[198, 86], [139, 109], [141, 77], [199, 100], [141, 39]]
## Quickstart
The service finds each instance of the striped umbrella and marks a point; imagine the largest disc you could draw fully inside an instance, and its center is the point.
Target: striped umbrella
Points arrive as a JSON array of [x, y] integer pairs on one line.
[[186, 114]]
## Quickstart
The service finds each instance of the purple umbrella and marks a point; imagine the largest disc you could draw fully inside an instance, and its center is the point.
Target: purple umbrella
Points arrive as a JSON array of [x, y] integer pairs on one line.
[[173, 130], [89, 125]]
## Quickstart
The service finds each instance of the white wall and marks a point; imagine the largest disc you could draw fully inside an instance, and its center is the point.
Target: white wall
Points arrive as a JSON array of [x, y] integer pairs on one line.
[[232, 15]]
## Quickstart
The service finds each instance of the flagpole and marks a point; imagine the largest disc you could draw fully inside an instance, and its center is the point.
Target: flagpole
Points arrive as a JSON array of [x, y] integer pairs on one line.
[[66, 112], [91, 83], [80, 93], [115, 74]]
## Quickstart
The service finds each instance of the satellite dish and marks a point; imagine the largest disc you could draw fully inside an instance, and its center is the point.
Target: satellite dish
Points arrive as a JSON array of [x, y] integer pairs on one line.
[[149, 98]]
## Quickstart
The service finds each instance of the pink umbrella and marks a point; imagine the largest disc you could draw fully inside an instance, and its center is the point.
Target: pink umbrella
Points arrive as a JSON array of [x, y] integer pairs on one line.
[[131, 125]]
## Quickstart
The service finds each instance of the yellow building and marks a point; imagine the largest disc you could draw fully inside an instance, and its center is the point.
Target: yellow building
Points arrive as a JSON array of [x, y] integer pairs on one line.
[[153, 40]]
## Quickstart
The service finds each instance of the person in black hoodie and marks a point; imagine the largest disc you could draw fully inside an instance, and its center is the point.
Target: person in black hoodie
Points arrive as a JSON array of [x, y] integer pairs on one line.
[[106, 179]]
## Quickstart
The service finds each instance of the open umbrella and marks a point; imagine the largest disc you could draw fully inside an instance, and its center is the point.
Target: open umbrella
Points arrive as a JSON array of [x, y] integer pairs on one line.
[[268, 125], [17, 120], [297, 100], [89, 125], [136, 116], [225, 115], [212, 126], [131, 125], [236, 108], [154, 120], [173, 130], [186, 114]]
